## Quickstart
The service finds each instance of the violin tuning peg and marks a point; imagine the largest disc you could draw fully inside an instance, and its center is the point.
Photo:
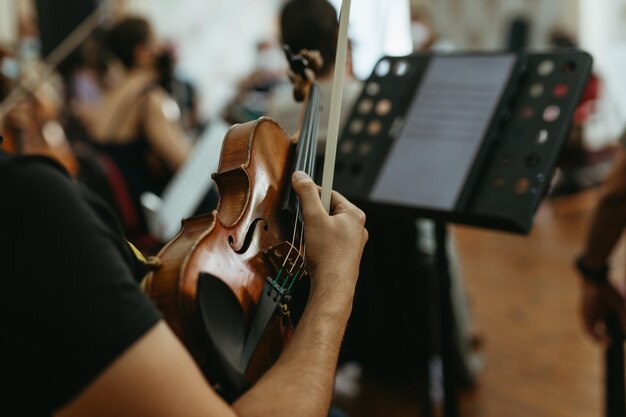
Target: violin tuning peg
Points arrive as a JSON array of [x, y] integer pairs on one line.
[[316, 62]]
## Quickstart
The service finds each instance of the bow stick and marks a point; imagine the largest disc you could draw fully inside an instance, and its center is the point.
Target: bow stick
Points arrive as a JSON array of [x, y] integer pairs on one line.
[[69, 44], [335, 106]]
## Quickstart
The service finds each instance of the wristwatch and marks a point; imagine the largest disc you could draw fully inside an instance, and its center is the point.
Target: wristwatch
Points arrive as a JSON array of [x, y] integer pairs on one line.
[[596, 275]]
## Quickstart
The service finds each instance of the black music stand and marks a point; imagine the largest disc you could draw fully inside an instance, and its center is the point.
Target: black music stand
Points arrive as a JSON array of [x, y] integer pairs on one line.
[[469, 138], [447, 324], [615, 388]]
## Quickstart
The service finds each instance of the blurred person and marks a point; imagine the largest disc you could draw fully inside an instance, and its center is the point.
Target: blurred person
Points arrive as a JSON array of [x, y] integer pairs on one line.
[[182, 91], [95, 72], [601, 299], [43, 124], [32, 126], [312, 25], [422, 32], [8, 72], [137, 123], [254, 92]]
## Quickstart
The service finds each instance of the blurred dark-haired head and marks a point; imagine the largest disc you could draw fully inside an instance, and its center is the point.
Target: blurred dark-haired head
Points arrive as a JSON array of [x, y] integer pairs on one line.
[[559, 38], [132, 41], [164, 64], [313, 25]]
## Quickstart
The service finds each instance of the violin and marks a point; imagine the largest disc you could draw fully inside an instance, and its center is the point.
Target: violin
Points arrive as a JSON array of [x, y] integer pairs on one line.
[[31, 127], [7, 141], [226, 281], [30, 131], [225, 284]]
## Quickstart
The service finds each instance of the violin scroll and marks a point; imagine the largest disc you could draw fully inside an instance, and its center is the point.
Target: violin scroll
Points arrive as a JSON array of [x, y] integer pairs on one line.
[[302, 69]]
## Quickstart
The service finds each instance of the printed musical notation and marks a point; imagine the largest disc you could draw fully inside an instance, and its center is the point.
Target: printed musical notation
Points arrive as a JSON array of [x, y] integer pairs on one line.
[[445, 126]]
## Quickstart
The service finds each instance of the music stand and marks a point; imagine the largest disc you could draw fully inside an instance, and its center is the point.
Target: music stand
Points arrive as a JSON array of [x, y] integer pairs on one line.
[[615, 387], [469, 138]]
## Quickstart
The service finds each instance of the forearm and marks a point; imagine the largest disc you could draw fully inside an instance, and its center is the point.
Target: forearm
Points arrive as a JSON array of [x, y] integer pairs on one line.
[[301, 382], [606, 228], [609, 218], [171, 145], [165, 135]]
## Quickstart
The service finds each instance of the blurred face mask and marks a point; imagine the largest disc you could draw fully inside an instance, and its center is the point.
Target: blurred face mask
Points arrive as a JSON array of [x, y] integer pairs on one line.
[[9, 68]]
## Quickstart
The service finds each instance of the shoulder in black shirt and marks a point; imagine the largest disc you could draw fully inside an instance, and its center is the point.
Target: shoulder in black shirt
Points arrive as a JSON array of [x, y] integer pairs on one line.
[[69, 301]]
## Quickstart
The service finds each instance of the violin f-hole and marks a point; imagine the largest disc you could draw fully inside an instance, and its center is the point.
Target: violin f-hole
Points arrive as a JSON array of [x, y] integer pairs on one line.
[[249, 235]]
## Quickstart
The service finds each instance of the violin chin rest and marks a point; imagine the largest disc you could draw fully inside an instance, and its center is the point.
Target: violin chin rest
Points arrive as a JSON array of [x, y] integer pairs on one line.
[[224, 325]]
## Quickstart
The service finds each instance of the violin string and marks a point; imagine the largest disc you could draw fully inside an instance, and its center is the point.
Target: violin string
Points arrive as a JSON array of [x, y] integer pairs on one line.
[[275, 282], [295, 262], [306, 158], [310, 166], [311, 154], [297, 276], [293, 238], [284, 283], [300, 165], [293, 281], [301, 249], [306, 165]]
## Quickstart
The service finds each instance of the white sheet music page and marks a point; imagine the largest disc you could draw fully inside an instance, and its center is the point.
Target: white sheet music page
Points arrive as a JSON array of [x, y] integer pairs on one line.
[[445, 126], [188, 187]]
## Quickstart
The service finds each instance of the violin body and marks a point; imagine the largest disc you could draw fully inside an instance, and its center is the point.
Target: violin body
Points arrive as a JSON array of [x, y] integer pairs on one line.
[[8, 144], [31, 128], [35, 144], [242, 244]]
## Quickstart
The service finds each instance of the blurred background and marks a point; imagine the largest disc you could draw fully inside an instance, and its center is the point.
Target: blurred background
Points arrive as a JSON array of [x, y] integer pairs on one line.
[[242, 32], [471, 24]]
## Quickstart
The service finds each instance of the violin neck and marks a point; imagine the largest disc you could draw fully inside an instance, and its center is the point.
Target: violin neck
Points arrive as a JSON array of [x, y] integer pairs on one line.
[[307, 143]]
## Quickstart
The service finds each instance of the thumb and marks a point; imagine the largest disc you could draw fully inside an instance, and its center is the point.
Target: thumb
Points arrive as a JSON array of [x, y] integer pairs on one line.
[[309, 195]]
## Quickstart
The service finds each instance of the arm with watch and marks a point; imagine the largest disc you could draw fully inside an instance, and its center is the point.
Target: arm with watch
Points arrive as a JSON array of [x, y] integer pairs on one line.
[[599, 297]]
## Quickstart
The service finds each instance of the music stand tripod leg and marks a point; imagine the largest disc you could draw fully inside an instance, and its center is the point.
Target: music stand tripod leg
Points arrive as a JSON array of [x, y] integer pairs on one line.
[[446, 322], [614, 372]]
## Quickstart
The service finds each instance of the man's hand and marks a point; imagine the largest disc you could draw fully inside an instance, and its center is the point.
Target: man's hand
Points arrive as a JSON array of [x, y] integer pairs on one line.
[[599, 301], [335, 242]]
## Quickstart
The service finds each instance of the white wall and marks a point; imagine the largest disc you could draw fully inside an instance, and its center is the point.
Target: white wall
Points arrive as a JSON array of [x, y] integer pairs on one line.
[[8, 22], [484, 24], [603, 34], [603, 28], [377, 28]]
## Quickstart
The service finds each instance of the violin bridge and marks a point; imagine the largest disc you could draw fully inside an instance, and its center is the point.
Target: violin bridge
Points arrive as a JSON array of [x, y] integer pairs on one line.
[[287, 264]]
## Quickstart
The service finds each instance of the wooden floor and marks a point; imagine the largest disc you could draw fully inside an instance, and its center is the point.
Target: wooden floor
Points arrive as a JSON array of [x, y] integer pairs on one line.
[[523, 296]]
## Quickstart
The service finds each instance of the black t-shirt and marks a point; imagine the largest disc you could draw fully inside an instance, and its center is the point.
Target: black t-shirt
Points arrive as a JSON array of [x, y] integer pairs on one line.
[[69, 300]]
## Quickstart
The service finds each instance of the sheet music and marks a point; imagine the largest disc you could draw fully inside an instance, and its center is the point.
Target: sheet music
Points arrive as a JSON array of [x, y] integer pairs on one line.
[[186, 190], [445, 126]]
